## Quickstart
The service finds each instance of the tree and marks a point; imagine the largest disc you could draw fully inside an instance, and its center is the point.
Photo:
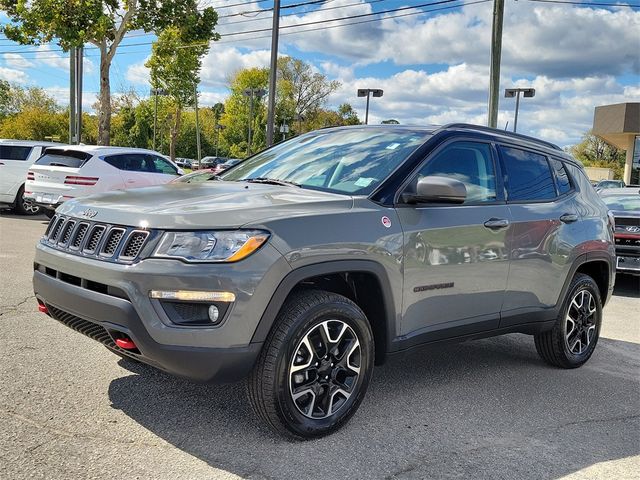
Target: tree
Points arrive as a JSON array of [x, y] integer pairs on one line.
[[391, 121], [302, 91], [175, 68], [593, 151], [348, 115], [5, 91], [235, 119], [104, 24]]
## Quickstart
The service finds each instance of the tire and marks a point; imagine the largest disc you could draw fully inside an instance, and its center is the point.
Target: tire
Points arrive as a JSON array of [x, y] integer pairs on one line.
[[288, 365], [575, 334], [21, 207]]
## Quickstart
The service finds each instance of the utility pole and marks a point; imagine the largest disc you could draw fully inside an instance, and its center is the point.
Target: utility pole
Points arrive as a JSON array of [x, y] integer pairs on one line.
[[79, 72], [155, 115], [496, 53], [218, 127], [199, 153], [72, 95], [271, 103]]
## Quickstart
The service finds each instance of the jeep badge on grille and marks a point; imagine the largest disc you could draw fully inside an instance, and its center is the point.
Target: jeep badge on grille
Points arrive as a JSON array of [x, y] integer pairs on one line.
[[89, 213]]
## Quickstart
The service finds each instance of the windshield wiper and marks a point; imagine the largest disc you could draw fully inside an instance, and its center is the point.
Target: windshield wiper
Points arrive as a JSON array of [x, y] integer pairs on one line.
[[273, 181]]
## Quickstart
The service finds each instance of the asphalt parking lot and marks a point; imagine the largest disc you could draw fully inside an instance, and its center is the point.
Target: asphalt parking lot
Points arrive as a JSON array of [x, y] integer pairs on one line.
[[484, 409]]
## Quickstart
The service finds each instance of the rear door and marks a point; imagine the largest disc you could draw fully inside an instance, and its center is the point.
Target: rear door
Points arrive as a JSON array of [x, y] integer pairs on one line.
[[455, 256], [14, 164], [134, 170], [161, 170], [543, 234]]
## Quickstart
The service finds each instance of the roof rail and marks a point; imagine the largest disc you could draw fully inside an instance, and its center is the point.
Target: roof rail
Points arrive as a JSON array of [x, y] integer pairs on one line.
[[482, 128]]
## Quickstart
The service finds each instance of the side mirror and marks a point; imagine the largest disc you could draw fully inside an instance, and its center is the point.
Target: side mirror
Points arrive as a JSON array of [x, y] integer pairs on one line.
[[434, 189]]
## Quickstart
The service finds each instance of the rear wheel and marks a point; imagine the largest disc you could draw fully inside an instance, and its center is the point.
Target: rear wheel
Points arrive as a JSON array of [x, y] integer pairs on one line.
[[573, 338], [315, 366], [25, 207]]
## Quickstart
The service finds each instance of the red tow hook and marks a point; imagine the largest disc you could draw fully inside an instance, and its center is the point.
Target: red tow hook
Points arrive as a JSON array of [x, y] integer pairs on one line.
[[126, 343], [42, 307]]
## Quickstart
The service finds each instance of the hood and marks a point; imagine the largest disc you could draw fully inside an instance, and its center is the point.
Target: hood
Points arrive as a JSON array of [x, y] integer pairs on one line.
[[214, 204]]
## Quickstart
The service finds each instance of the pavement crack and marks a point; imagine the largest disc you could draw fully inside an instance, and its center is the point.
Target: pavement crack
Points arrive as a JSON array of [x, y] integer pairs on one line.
[[15, 307], [78, 436]]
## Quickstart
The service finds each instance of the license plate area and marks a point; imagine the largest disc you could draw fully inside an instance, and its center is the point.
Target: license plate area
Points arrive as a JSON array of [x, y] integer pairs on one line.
[[628, 263]]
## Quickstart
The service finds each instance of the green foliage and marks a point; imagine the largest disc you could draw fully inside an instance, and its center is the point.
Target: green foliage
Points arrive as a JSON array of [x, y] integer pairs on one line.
[[595, 152], [391, 121]]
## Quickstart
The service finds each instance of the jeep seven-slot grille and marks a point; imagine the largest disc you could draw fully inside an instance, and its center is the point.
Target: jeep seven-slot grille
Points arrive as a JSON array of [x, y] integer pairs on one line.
[[97, 240]]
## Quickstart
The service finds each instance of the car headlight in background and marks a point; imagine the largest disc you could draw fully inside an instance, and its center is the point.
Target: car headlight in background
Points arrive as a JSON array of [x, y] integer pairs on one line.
[[211, 246]]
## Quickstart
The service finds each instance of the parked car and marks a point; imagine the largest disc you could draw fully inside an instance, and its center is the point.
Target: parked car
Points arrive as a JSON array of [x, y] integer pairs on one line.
[[221, 167], [211, 162], [63, 173], [196, 177], [325, 254], [16, 156], [625, 206], [184, 162], [606, 184]]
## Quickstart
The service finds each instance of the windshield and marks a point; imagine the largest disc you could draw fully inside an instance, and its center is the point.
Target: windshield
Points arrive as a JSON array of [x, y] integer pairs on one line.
[[625, 203], [351, 161], [65, 158], [195, 177]]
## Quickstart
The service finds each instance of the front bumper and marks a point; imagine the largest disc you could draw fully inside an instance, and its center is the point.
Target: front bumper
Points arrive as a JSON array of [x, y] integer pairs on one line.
[[219, 353]]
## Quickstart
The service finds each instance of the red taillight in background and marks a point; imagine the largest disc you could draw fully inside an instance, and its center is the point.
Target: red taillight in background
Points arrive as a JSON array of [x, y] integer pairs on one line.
[[31, 176], [86, 181]]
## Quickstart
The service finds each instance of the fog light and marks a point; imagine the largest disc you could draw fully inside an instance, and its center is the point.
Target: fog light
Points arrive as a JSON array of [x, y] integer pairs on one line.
[[214, 313]]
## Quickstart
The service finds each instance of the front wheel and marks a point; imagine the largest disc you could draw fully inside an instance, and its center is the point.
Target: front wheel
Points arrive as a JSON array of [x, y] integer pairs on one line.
[[315, 366], [25, 207], [573, 338]]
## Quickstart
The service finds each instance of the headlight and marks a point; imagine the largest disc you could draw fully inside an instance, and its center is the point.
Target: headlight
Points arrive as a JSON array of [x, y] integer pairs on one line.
[[211, 246]]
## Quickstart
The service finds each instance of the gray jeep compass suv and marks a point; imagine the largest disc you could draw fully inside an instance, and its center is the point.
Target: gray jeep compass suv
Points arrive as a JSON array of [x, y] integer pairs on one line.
[[303, 266]]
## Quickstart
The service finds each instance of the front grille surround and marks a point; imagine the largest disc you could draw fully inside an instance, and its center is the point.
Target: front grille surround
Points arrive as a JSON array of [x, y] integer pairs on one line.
[[98, 240]]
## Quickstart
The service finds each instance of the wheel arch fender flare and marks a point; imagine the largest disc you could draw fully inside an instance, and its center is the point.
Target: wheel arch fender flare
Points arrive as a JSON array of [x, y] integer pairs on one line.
[[293, 278]]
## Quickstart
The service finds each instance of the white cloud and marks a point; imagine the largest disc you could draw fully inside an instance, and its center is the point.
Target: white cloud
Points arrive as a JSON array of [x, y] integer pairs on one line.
[[222, 62], [14, 76], [51, 58], [18, 61], [138, 74]]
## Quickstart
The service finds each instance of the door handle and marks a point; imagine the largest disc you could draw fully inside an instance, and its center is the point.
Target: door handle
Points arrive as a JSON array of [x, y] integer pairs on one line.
[[496, 223], [131, 181], [569, 218]]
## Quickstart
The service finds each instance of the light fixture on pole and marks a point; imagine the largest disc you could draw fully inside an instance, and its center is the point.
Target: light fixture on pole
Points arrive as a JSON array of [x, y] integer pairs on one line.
[[367, 92], [515, 92], [252, 93]]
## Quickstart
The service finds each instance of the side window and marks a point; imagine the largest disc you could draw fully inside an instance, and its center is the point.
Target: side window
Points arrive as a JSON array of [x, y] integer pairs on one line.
[[14, 152], [562, 179], [117, 161], [528, 175], [469, 162], [161, 165]]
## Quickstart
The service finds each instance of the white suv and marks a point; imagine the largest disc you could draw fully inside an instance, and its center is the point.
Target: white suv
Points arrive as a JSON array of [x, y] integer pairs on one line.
[[68, 172], [16, 156]]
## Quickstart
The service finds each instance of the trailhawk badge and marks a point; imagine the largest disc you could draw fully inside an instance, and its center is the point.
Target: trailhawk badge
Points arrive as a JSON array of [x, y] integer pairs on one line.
[[386, 221]]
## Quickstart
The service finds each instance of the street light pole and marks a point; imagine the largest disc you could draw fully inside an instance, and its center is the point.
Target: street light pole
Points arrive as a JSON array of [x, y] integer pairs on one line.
[[271, 103], [218, 127], [367, 92], [515, 92]]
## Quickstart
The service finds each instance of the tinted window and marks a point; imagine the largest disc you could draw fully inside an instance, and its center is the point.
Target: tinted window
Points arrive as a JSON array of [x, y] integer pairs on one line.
[[528, 175], [161, 165], [117, 161], [562, 179], [469, 162], [14, 152]]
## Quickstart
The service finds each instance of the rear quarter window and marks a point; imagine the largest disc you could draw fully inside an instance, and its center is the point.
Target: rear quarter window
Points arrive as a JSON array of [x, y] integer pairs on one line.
[[528, 176], [563, 182], [14, 152]]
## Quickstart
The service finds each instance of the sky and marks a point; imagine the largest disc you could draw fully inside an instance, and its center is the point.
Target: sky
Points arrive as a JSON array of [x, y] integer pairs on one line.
[[431, 60]]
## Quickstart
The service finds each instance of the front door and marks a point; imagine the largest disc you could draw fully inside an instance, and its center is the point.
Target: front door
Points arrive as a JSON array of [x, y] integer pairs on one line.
[[455, 257]]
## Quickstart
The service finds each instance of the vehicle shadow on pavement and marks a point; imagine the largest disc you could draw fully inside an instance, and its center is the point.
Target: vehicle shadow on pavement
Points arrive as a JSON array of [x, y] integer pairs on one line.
[[627, 286], [484, 409]]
